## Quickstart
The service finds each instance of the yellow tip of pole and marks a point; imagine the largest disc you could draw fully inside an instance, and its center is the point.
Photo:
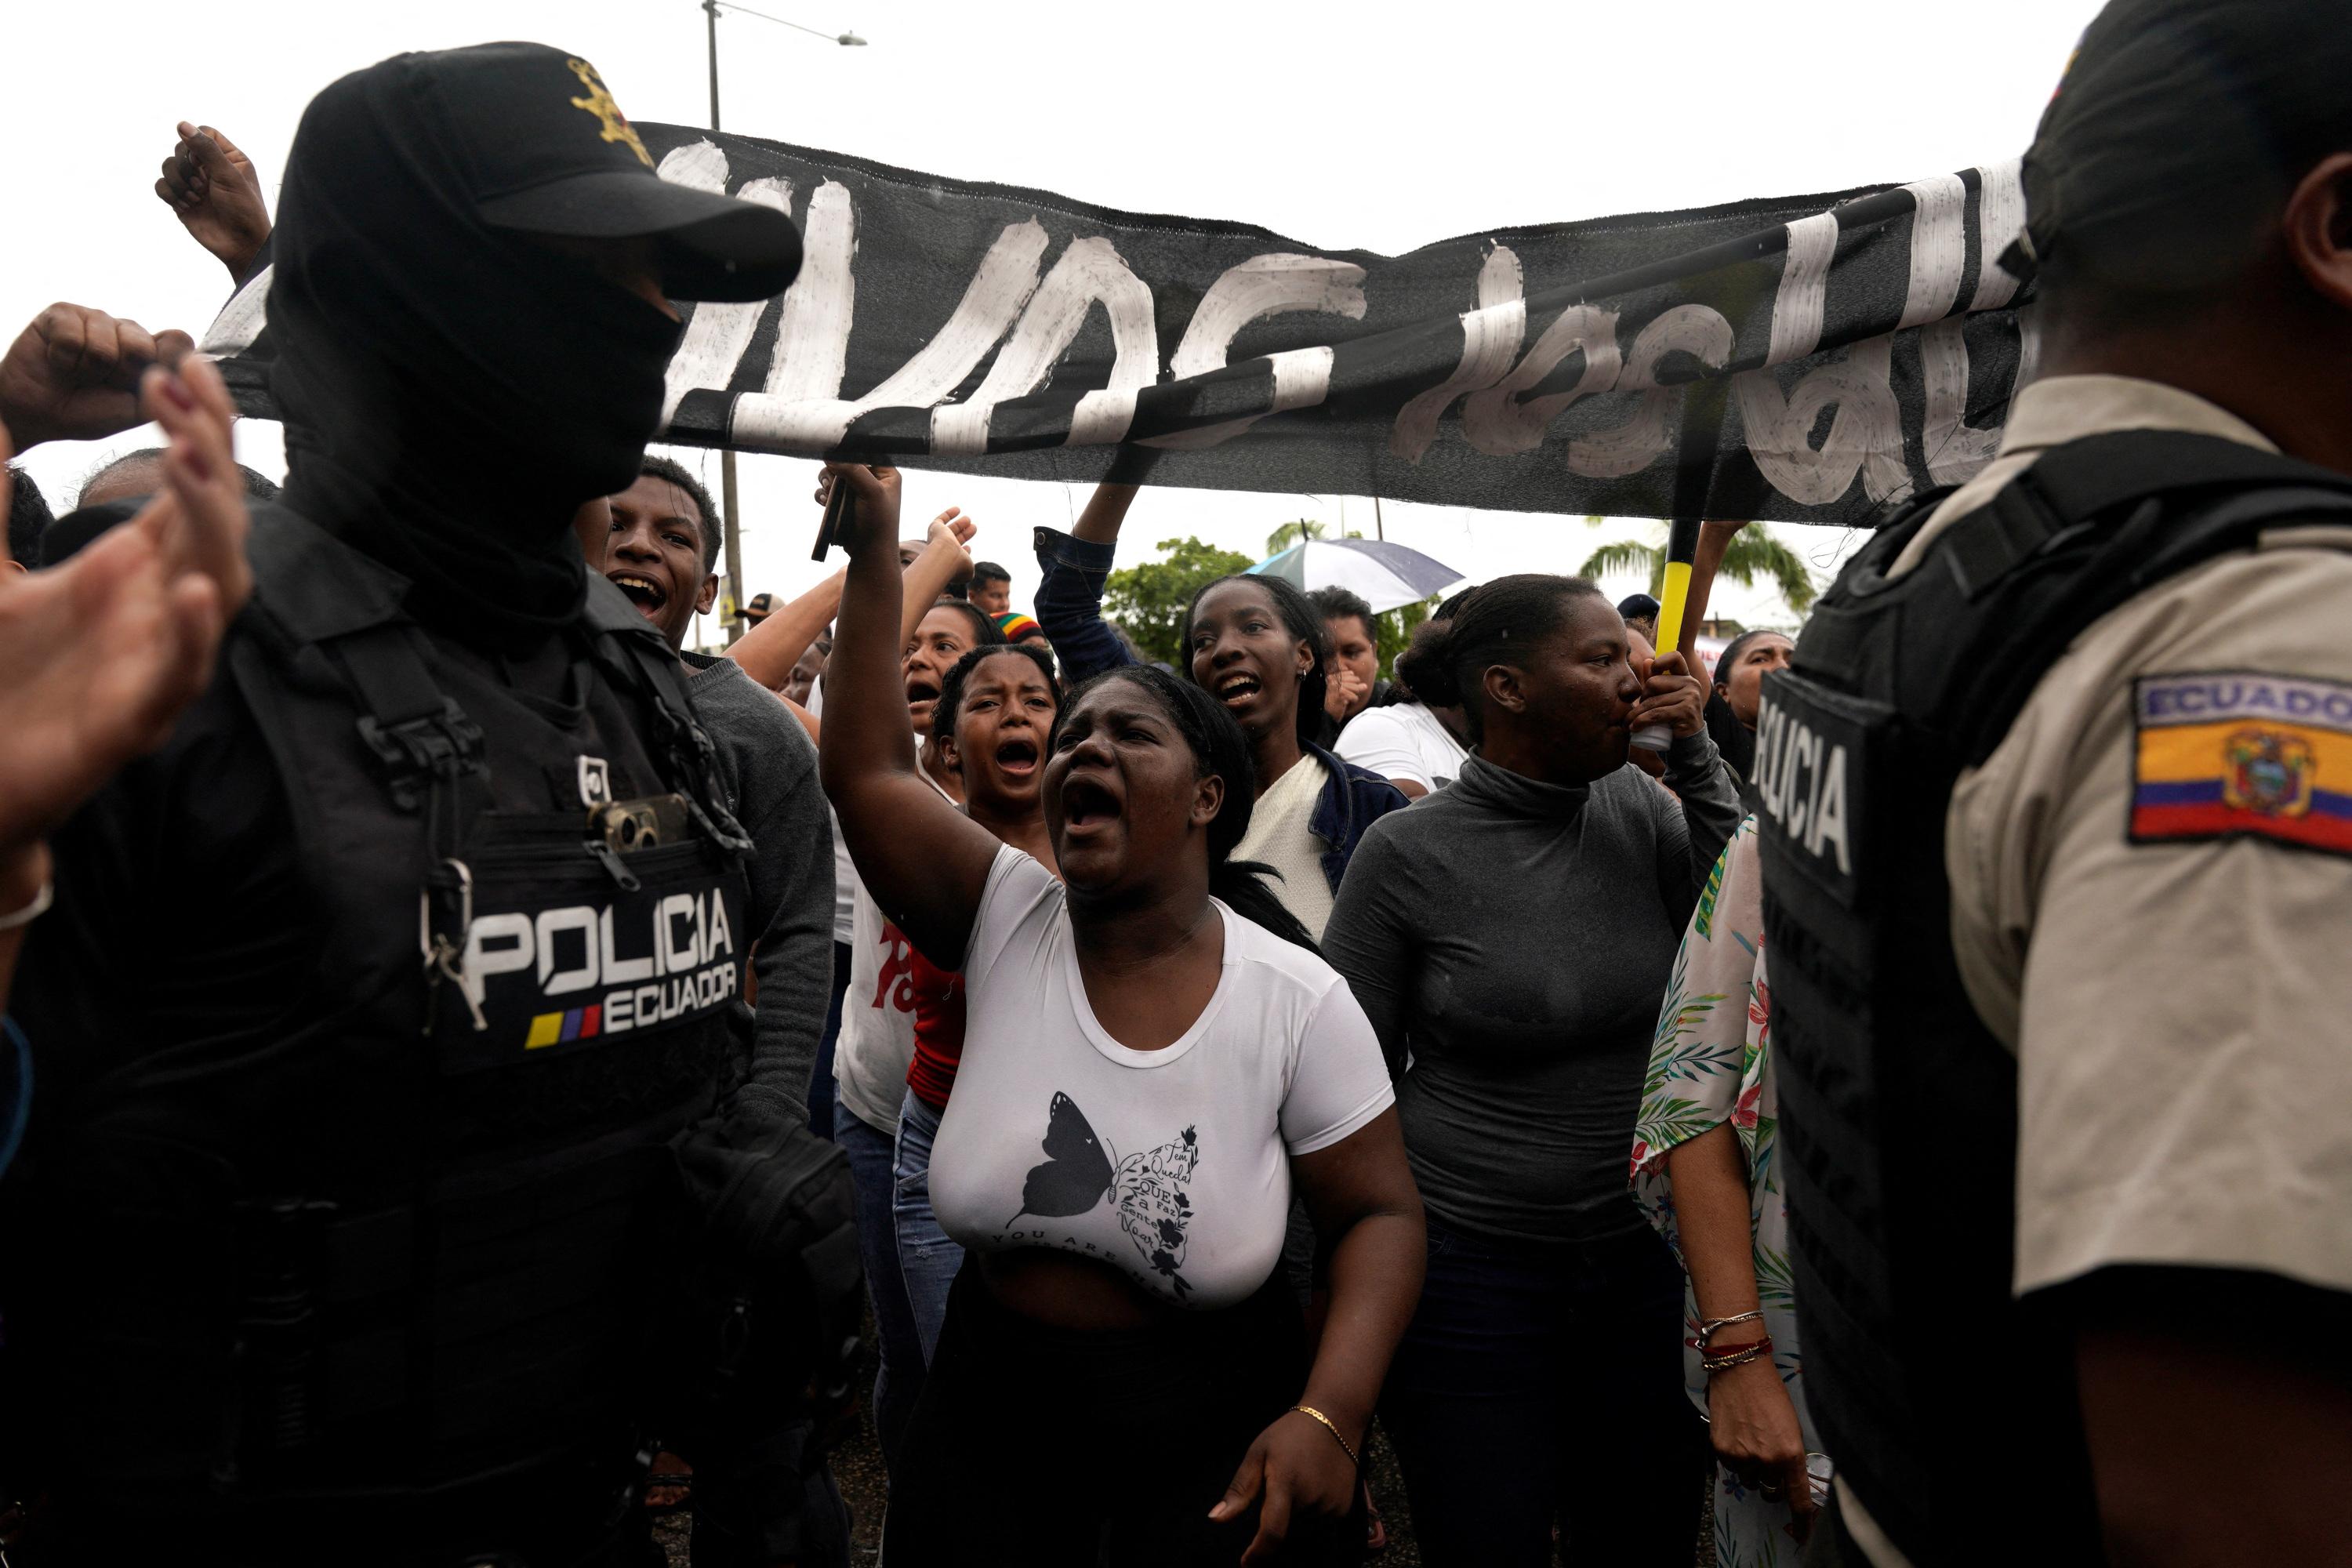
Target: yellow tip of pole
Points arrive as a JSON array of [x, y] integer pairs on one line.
[[1670, 604]]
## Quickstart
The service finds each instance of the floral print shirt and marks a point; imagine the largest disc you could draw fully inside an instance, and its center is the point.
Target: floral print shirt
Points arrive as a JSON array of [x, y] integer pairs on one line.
[[1711, 1062]]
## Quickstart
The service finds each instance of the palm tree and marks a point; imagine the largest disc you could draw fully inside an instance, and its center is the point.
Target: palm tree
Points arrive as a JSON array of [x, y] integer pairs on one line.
[[1753, 553], [1291, 534]]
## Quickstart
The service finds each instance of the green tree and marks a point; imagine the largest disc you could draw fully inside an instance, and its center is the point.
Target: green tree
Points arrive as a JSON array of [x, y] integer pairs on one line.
[[1392, 632], [1148, 599], [1753, 555], [1294, 533]]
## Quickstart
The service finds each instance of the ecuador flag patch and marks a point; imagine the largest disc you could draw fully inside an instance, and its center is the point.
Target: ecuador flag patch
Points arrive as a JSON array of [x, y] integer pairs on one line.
[[2225, 754]]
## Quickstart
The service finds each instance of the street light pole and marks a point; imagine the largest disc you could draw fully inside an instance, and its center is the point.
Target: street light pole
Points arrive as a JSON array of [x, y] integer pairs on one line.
[[732, 527]]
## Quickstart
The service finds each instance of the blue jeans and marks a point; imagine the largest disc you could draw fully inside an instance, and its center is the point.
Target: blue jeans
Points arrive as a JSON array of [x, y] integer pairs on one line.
[[1537, 1386], [927, 1260], [900, 1382], [820, 1094]]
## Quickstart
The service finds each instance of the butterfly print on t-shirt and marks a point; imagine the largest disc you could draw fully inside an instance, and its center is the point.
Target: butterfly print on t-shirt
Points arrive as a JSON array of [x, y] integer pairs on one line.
[[1148, 1189]]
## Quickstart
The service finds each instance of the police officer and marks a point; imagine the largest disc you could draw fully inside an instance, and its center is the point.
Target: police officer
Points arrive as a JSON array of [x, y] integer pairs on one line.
[[2057, 798], [369, 1006]]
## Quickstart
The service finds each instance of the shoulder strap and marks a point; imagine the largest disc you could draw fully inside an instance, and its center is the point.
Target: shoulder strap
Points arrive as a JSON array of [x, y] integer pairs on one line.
[[639, 660], [417, 733], [316, 591], [2082, 479], [2112, 517], [2090, 481]]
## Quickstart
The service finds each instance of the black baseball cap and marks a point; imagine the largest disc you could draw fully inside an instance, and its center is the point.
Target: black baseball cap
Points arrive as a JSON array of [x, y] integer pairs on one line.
[[2178, 126], [1634, 606], [545, 150]]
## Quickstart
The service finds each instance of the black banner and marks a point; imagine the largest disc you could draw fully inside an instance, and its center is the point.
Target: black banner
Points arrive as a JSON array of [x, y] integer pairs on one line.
[[1803, 359]]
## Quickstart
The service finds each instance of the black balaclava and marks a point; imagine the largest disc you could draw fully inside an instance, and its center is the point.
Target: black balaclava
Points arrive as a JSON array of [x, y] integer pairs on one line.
[[452, 392]]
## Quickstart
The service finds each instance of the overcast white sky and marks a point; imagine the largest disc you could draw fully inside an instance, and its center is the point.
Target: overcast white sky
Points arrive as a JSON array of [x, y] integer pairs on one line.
[[1380, 125]]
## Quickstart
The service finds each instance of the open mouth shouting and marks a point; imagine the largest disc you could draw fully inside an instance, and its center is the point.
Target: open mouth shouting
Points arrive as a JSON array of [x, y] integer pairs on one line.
[[1237, 687], [922, 691], [1016, 757], [646, 594], [1087, 808]]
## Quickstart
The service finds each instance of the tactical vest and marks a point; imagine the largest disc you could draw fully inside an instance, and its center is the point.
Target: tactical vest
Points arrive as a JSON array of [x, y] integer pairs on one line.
[[1929, 1384], [437, 1208]]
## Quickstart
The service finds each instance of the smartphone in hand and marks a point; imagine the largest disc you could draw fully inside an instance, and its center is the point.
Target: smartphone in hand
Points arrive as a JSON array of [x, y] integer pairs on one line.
[[839, 513]]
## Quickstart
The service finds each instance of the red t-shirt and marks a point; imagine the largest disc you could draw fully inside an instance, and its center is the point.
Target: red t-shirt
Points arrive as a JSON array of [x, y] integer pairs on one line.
[[938, 1024]]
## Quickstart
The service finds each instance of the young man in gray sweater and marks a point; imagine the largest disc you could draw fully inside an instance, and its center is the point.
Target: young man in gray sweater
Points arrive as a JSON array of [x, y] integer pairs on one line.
[[657, 541]]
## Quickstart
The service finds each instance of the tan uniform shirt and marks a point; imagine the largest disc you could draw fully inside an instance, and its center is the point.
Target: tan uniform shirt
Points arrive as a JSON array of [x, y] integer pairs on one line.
[[2182, 1008]]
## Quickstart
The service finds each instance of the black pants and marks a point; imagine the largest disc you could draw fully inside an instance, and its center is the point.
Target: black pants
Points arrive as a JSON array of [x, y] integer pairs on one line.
[[773, 1500], [1535, 1388], [1050, 1447]]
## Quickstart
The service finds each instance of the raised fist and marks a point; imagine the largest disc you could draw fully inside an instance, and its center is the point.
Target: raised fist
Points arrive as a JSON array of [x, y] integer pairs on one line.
[[73, 374], [211, 189]]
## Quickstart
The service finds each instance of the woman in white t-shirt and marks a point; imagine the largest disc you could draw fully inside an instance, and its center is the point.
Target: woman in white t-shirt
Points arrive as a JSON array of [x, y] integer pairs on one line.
[[1148, 1067], [1258, 646]]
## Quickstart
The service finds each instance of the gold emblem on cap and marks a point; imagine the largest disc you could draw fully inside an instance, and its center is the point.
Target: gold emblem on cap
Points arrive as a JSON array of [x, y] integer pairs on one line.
[[599, 102]]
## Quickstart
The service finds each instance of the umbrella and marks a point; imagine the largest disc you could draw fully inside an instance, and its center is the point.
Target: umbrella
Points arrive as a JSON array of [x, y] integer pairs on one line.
[[1386, 575]]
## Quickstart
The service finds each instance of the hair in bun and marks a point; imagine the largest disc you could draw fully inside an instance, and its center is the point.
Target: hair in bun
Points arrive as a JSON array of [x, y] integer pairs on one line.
[[1488, 626]]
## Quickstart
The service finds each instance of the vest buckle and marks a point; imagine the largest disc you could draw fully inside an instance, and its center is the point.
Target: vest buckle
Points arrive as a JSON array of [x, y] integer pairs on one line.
[[438, 746]]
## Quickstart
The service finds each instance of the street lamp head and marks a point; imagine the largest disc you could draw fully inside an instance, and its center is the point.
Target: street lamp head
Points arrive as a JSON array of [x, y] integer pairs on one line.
[[850, 40]]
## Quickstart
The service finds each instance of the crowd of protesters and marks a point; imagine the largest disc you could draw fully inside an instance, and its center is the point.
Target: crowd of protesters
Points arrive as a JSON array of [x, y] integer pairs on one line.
[[1205, 1069]]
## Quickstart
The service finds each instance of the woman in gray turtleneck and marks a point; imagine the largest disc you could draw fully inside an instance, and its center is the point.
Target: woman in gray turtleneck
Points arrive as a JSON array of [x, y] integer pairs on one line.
[[1509, 938]]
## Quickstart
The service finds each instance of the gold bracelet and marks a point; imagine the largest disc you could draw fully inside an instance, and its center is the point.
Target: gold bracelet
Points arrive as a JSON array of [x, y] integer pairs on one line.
[[1333, 1427]]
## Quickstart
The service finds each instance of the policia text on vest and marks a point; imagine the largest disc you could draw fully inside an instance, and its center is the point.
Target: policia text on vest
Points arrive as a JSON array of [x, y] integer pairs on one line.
[[576, 971]]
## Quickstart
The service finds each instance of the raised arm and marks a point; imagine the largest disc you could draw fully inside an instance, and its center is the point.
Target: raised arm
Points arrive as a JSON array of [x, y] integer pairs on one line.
[[211, 187], [943, 561], [925, 862], [73, 374], [104, 651], [1714, 538], [769, 650], [1072, 566], [1105, 509]]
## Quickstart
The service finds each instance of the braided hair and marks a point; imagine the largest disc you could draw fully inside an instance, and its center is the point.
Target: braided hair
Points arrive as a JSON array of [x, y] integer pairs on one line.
[[1218, 747]]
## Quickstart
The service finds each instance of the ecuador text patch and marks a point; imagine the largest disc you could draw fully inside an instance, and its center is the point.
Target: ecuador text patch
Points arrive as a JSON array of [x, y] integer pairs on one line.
[[2235, 752]]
